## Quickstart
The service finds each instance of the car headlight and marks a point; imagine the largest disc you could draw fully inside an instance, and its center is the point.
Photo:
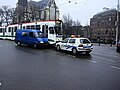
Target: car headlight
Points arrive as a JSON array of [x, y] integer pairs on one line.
[[41, 42]]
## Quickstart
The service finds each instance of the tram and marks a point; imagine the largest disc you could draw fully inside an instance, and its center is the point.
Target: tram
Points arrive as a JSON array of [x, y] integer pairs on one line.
[[52, 30]]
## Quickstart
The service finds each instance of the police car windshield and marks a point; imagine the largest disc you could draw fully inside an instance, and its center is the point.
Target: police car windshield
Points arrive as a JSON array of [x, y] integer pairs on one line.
[[39, 35]]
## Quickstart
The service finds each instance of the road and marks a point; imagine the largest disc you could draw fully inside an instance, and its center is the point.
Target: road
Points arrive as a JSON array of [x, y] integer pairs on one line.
[[25, 68]]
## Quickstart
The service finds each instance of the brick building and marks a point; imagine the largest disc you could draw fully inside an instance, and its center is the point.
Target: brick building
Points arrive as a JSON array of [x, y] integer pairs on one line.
[[103, 26]]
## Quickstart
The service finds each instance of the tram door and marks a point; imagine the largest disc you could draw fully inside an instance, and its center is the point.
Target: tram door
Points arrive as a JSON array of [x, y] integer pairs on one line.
[[45, 30], [4, 30], [51, 34], [12, 31]]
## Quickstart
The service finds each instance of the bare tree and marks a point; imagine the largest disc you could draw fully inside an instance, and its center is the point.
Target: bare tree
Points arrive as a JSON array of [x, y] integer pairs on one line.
[[67, 19], [6, 14], [76, 23], [67, 23], [12, 14], [71, 27]]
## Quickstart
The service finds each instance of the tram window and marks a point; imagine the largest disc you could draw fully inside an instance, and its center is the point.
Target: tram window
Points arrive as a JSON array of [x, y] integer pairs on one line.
[[9, 29], [0, 30], [23, 27], [43, 28], [28, 27], [38, 27], [46, 28], [5, 29], [32, 27], [58, 30], [15, 29], [51, 30]]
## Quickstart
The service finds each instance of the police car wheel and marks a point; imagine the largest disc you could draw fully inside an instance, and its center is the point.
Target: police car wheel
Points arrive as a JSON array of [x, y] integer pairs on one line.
[[19, 43], [58, 47], [74, 51], [35, 45]]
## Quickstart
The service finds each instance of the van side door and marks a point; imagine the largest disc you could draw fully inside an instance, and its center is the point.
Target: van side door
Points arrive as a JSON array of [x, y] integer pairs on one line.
[[31, 38], [24, 37]]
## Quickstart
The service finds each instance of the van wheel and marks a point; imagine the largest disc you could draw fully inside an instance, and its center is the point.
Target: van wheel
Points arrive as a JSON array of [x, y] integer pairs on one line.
[[35, 45], [19, 43], [74, 51]]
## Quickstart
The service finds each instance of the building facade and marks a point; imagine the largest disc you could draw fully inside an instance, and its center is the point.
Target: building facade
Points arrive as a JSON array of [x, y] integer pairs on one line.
[[86, 31], [103, 26], [34, 11]]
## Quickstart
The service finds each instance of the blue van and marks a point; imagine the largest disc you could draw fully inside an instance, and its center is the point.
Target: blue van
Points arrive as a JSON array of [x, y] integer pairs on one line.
[[33, 38]]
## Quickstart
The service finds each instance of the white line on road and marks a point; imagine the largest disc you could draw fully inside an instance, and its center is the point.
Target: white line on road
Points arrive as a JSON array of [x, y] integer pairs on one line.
[[0, 84], [92, 61], [115, 67]]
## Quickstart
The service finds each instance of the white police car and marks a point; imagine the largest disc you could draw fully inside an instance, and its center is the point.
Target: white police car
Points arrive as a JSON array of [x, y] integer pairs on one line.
[[75, 45]]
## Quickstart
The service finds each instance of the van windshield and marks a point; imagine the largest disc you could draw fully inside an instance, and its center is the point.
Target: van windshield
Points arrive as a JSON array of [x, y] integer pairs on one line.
[[39, 35]]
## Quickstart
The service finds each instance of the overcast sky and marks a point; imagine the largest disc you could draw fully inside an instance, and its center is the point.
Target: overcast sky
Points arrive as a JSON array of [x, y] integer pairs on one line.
[[81, 10]]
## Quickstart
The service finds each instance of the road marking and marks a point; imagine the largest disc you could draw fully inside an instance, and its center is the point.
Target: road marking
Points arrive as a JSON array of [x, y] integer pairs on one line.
[[0, 84], [92, 61], [115, 67]]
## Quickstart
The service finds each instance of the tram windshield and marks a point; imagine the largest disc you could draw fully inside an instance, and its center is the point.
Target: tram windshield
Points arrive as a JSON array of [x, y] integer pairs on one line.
[[58, 30]]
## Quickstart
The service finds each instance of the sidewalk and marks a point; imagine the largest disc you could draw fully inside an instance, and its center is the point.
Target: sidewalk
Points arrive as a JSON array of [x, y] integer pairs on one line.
[[108, 45], [108, 49]]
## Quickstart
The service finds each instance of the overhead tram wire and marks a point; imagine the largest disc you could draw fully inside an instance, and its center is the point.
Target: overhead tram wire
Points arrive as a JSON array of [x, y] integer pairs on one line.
[[71, 2]]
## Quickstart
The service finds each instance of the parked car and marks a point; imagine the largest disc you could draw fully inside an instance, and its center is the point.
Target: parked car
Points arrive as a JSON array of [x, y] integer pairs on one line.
[[118, 46], [33, 38], [75, 45]]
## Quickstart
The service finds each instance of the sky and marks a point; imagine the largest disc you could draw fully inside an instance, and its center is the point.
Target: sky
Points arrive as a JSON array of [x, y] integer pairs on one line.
[[81, 10]]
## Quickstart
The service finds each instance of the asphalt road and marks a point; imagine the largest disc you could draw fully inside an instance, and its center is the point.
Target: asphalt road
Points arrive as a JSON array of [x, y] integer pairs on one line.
[[25, 68]]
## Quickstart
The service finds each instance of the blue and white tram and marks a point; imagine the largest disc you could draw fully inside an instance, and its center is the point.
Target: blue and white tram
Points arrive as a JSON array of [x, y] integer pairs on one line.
[[8, 32], [51, 29]]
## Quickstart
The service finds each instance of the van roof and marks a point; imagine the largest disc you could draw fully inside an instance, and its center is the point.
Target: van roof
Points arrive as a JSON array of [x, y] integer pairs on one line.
[[28, 30]]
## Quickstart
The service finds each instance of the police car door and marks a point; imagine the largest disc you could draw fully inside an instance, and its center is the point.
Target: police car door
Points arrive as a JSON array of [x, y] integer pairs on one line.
[[70, 44], [64, 44]]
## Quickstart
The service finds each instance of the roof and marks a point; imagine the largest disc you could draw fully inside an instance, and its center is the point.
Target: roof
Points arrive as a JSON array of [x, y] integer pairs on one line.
[[108, 12], [40, 4], [28, 30], [22, 2]]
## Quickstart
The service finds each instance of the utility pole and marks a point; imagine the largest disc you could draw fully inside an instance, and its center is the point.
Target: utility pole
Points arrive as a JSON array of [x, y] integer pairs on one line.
[[55, 14], [117, 23]]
